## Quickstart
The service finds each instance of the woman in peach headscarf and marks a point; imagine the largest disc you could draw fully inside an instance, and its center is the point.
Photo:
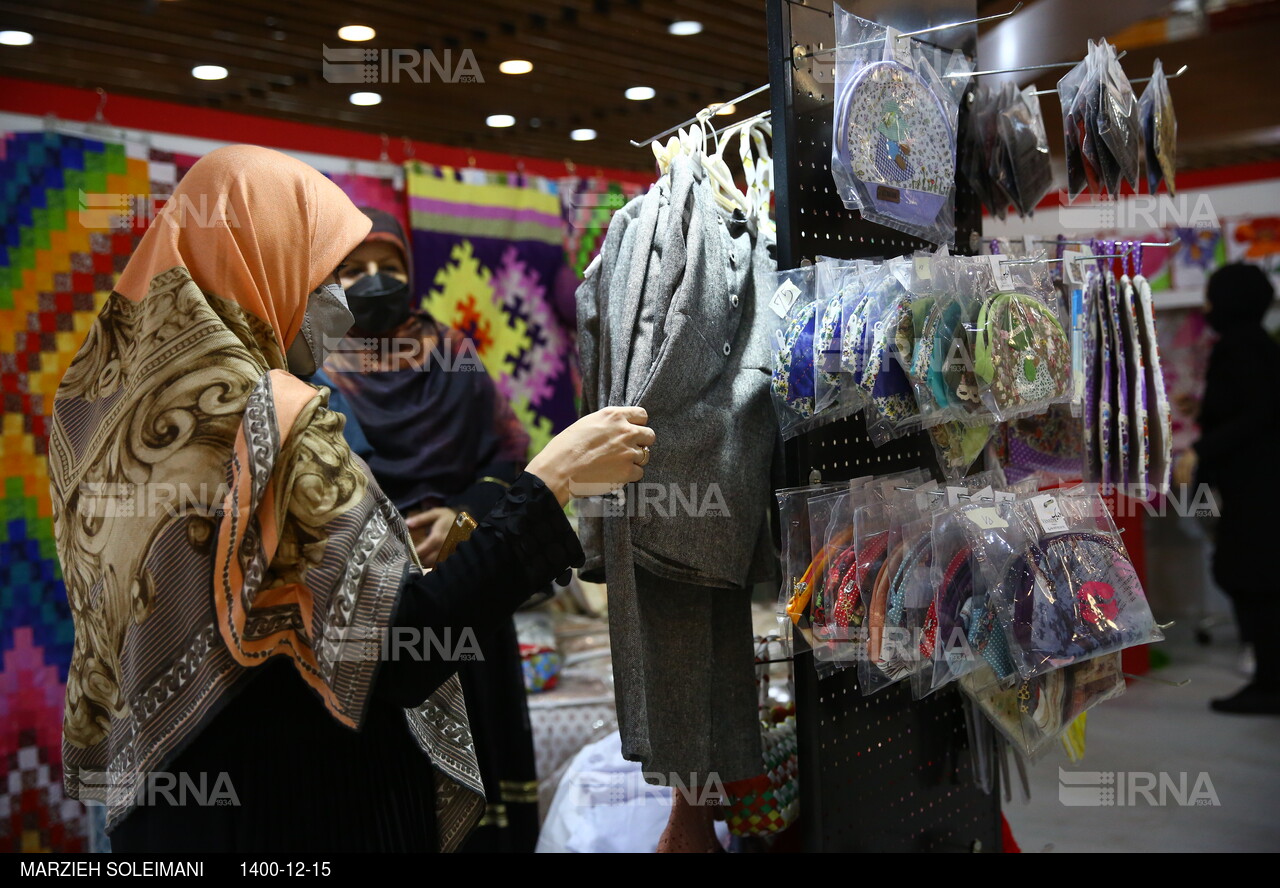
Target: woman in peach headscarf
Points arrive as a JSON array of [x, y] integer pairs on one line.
[[234, 572]]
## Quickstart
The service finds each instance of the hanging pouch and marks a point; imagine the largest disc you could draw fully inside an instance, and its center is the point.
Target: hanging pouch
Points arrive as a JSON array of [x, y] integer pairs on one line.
[[1071, 593], [893, 150], [1136, 387], [1160, 418], [1022, 355]]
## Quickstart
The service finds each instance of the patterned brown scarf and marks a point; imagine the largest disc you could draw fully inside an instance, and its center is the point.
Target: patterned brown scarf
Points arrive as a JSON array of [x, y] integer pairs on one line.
[[209, 516]]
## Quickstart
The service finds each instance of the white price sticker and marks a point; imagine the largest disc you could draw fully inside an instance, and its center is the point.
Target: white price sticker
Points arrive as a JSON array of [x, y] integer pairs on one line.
[[1000, 271], [924, 268], [1049, 513], [898, 47], [784, 297], [986, 517]]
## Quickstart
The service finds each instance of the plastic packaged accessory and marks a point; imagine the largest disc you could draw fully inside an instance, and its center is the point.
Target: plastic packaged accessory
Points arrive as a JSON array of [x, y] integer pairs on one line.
[[838, 284], [1136, 387], [891, 408], [794, 310], [1160, 424], [1119, 379], [1067, 588], [893, 146], [1033, 713], [944, 373], [1160, 130], [1026, 146], [1022, 358], [796, 554], [1073, 125], [1119, 123]]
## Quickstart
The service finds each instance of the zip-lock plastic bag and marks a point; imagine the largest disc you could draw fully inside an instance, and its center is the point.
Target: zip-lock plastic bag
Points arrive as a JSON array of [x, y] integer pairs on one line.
[[796, 554], [891, 408], [1119, 123], [1035, 712], [1073, 125], [1000, 159], [1160, 417], [957, 446], [974, 152], [793, 308], [839, 284], [1136, 383], [890, 655], [1067, 589], [1022, 356], [893, 145], [943, 369], [1027, 147], [1160, 131]]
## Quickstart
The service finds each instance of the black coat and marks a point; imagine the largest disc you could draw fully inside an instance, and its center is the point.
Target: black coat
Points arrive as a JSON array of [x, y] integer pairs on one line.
[[1238, 450]]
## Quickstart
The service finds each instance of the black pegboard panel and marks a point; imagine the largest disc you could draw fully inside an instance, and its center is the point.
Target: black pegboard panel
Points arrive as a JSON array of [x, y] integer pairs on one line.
[[884, 772]]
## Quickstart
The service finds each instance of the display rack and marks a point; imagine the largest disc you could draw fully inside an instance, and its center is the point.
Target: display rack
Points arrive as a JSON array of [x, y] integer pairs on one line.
[[883, 772]]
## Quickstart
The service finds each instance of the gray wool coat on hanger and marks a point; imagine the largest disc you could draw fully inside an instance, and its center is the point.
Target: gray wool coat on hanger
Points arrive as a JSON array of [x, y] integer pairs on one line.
[[670, 318]]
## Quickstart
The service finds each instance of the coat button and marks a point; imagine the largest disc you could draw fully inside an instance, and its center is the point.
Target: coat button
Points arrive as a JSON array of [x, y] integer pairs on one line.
[[727, 349], [733, 299]]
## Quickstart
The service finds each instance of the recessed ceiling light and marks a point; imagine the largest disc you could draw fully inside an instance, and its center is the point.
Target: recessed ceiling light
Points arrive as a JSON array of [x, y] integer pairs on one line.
[[365, 98], [500, 120], [15, 38], [582, 135], [723, 108], [209, 72], [357, 33], [684, 29], [516, 66], [640, 93]]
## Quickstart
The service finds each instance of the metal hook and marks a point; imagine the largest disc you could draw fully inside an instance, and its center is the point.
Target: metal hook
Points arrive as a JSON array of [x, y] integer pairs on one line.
[[1176, 74], [977, 21], [958, 74], [98, 116], [1179, 73], [694, 118]]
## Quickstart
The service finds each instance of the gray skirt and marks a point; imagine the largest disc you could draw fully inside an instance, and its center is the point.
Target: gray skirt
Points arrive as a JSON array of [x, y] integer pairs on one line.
[[685, 681]]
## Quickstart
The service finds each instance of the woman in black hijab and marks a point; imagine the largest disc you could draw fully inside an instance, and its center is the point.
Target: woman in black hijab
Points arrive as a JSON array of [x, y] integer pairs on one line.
[[1239, 440]]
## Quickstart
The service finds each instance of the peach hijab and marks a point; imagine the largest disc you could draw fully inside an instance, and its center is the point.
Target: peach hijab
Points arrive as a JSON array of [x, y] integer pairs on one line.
[[208, 514]]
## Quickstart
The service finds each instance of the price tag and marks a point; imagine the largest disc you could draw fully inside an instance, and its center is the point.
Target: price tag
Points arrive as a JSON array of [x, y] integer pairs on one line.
[[1048, 513], [1005, 496], [954, 494], [985, 495], [924, 268], [1000, 272], [784, 297], [898, 47], [986, 517]]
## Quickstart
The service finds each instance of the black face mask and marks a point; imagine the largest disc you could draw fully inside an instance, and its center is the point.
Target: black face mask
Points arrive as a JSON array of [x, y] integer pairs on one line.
[[378, 302]]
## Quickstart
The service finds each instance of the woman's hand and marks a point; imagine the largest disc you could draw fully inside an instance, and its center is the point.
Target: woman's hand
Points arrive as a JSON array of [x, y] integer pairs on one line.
[[429, 530], [597, 454]]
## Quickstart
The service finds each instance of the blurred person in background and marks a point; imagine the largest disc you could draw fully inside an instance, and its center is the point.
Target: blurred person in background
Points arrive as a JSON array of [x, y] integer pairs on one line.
[[1235, 454]]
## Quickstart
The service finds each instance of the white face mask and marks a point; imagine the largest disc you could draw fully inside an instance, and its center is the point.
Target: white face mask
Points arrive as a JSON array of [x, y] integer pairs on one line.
[[327, 320]]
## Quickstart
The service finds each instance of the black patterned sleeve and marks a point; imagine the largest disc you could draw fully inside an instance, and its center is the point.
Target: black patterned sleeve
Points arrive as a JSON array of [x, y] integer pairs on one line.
[[523, 544]]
